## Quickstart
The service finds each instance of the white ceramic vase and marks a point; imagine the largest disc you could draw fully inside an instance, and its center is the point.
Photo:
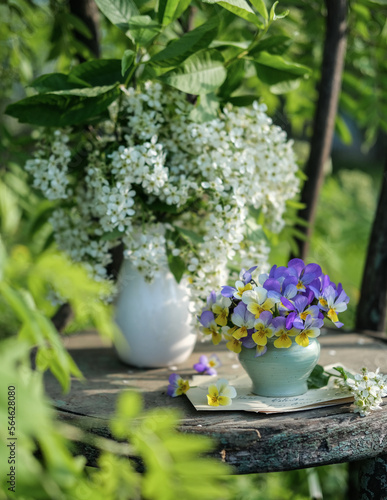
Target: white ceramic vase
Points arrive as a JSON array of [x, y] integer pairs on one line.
[[154, 320]]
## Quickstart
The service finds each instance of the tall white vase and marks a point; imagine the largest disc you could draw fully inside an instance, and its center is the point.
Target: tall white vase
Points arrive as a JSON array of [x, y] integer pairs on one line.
[[154, 320]]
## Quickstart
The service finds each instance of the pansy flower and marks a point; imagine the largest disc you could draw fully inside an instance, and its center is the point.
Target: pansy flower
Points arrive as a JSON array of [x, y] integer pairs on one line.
[[249, 343], [233, 344], [211, 300], [221, 393], [257, 301], [221, 309], [277, 290], [177, 386], [281, 330], [277, 273], [237, 291], [311, 330], [207, 366], [299, 309], [334, 303], [245, 276], [242, 318], [304, 274], [209, 326], [264, 328]]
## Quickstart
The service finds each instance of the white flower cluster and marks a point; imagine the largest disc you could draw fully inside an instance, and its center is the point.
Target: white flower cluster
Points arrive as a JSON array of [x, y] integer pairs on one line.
[[50, 167], [146, 250], [368, 389], [152, 169]]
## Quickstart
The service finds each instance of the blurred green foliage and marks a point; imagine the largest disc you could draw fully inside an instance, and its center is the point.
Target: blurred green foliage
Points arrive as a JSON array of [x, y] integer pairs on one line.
[[47, 469], [292, 485], [37, 37], [343, 224]]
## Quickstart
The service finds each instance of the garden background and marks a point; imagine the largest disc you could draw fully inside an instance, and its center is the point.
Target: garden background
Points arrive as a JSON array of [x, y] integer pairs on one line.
[[39, 37]]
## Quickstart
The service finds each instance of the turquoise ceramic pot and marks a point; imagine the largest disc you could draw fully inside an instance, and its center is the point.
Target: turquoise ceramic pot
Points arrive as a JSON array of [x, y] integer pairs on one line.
[[280, 372]]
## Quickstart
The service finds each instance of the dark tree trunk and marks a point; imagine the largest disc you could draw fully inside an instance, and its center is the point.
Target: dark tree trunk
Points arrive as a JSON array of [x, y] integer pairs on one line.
[[371, 309], [62, 317], [87, 11], [324, 119]]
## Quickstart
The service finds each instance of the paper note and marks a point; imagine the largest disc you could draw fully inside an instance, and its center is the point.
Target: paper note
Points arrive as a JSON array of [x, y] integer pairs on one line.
[[246, 401]]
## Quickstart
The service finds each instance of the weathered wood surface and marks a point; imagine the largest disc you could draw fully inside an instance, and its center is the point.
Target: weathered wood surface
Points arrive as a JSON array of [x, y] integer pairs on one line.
[[248, 441]]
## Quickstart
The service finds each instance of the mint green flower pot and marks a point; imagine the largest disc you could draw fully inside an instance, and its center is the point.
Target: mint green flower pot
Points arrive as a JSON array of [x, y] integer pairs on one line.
[[280, 372]]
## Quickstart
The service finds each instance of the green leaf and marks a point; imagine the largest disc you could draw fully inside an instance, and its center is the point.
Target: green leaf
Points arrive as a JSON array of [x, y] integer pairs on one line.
[[345, 375], [142, 30], [118, 11], [285, 87], [230, 43], [295, 204], [190, 235], [261, 8], [112, 235], [56, 81], [98, 72], [40, 216], [191, 42], [53, 110], [177, 266], [201, 73], [343, 130], [318, 378], [170, 10], [273, 69], [78, 25], [127, 61], [243, 100], [206, 109], [87, 92], [254, 232], [273, 16], [276, 44], [3, 258], [240, 8], [235, 76]]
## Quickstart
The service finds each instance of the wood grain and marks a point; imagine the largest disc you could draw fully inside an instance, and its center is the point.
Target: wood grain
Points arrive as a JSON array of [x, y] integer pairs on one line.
[[249, 442]]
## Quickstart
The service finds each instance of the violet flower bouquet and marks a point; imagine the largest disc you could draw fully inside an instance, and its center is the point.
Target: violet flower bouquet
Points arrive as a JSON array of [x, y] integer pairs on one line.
[[288, 303]]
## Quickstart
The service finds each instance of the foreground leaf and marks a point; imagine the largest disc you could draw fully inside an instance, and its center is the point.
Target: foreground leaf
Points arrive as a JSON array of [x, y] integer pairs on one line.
[[201, 73], [142, 30], [170, 10], [188, 44], [318, 378], [58, 110], [240, 8], [118, 11]]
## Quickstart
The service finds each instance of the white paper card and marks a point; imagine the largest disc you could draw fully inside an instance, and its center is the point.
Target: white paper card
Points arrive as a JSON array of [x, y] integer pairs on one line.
[[246, 401]]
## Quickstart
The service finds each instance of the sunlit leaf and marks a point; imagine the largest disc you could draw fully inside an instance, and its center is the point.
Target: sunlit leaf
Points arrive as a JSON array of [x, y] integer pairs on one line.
[[201, 73], [240, 8], [206, 109], [118, 11], [170, 10], [142, 30], [127, 61], [188, 44]]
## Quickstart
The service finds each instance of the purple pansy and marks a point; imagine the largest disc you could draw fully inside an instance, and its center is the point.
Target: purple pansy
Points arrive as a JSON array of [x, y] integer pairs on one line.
[[245, 276], [333, 302], [304, 274], [242, 318], [208, 365], [177, 386], [299, 309]]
